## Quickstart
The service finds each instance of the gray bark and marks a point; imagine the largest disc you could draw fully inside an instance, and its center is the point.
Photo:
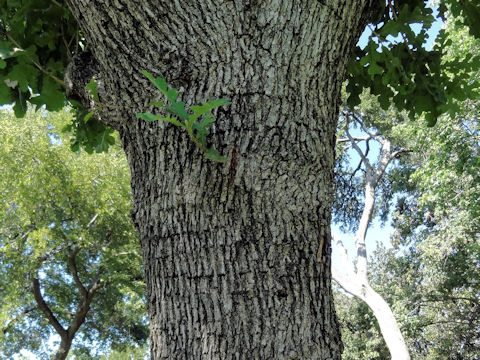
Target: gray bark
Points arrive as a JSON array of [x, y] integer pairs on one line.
[[230, 250]]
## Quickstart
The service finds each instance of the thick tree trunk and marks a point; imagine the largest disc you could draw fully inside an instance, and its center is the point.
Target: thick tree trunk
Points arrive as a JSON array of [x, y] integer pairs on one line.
[[230, 250], [63, 349]]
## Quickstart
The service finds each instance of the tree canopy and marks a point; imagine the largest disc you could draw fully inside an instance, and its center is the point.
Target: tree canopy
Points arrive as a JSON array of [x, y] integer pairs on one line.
[[65, 232], [430, 275]]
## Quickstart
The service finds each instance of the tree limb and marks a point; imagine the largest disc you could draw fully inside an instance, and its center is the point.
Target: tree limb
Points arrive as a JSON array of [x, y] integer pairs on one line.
[[83, 308], [24, 312], [42, 305], [355, 138], [72, 264]]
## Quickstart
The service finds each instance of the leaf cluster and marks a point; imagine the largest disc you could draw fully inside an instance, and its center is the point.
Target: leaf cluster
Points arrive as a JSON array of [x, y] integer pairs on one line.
[[37, 39], [88, 133], [396, 66], [196, 122]]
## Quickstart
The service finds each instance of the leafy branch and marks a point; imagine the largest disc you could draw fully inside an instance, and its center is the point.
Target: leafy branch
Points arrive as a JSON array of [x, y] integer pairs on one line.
[[196, 124], [31, 58]]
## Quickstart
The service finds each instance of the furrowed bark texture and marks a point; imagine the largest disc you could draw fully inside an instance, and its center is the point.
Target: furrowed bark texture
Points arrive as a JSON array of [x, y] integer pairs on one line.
[[236, 255]]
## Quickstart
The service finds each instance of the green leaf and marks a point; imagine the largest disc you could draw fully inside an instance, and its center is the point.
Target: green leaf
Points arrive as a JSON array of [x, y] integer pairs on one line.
[[374, 69], [149, 116], [201, 128], [92, 86], [7, 50], [172, 95], [152, 117], [88, 116], [25, 74], [173, 121], [6, 96], [199, 110], [159, 82], [178, 109], [214, 155], [51, 95], [20, 107], [157, 103]]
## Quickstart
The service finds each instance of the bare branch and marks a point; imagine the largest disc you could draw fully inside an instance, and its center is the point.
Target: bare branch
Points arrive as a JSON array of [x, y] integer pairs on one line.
[[355, 138], [83, 308], [376, 135], [400, 151], [50, 254], [356, 283], [358, 150], [92, 221]]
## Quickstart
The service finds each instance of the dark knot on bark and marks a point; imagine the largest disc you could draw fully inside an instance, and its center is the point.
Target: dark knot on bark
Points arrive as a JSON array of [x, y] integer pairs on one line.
[[81, 69]]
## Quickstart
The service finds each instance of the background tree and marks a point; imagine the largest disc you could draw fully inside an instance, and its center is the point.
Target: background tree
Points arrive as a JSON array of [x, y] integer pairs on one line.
[[236, 254], [69, 258], [353, 278], [429, 276], [130, 353]]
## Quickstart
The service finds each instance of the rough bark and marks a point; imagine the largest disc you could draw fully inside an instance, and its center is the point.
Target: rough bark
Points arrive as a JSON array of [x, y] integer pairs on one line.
[[355, 281], [230, 250]]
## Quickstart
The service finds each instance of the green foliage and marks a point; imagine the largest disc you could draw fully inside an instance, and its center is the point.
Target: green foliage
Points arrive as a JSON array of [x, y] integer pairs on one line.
[[88, 132], [92, 87], [395, 65], [430, 276], [38, 37], [130, 353], [196, 129], [466, 12], [54, 201]]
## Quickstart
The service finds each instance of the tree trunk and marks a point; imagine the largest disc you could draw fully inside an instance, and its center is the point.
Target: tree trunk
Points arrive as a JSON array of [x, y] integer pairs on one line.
[[355, 281], [230, 249], [353, 284], [63, 349]]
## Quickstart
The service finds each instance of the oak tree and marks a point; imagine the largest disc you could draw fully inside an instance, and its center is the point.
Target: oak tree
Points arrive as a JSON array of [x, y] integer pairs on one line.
[[236, 253]]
